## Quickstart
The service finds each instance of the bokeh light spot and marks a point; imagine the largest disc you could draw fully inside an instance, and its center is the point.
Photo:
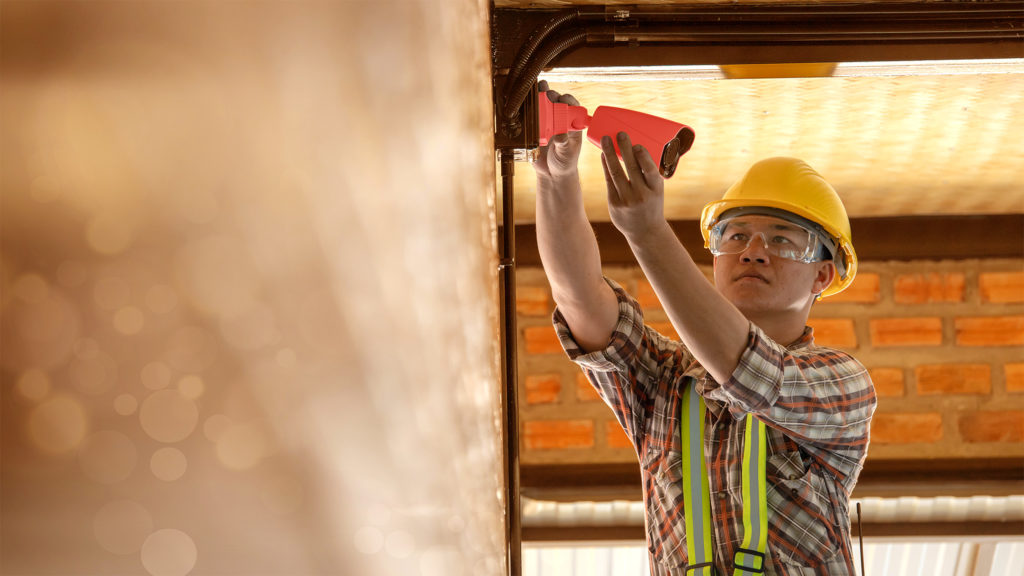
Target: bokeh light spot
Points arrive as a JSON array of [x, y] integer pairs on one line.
[[122, 526], [156, 375], [126, 404], [242, 446], [169, 552], [129, 320], [58, 424], [167, 416], [168, 464], [400, 544], [215, 426], [34, 384], [107, 457], [191, 386]]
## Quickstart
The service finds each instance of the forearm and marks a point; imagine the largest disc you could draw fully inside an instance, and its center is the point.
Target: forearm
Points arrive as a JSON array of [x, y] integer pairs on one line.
[[714, 330], [572, 262]]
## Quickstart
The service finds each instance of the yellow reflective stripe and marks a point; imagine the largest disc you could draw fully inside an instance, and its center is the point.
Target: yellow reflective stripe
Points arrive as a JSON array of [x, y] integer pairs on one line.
[[696, 494], [755, 499], [696, 500]]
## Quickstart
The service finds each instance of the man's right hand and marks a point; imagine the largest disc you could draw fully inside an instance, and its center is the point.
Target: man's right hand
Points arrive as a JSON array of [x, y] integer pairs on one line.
[[559, 158]]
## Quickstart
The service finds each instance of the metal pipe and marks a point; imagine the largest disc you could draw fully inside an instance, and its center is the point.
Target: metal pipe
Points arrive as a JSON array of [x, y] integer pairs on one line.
[[507, 272]]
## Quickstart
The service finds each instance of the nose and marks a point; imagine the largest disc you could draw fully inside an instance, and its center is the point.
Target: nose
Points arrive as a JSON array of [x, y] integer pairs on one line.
[[756, 250]]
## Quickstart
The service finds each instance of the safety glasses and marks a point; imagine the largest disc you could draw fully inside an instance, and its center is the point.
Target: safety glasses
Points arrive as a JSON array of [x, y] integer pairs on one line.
[[779, 237]]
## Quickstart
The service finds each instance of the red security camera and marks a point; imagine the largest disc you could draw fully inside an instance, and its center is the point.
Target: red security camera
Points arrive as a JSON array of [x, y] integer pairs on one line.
[[670, 140]]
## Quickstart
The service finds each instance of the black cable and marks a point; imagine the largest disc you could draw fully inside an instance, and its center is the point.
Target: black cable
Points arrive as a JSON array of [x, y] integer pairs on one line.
[[536, 38]]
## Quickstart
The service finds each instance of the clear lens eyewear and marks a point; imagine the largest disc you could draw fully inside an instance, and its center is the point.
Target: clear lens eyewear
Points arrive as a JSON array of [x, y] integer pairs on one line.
[[784, 239]]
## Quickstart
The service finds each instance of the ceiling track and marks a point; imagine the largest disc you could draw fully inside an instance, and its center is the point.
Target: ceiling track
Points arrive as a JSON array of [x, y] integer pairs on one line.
[[525, 42]]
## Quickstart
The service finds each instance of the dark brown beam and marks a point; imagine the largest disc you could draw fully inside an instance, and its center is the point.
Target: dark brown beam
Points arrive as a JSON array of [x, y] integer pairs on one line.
[[686, 34], [897, 238]]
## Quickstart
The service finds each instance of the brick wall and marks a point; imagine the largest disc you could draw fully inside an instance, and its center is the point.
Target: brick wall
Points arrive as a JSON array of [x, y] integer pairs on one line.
[[944, 342]]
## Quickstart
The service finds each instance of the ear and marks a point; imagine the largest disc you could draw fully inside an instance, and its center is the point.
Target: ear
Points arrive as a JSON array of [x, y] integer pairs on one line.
[[825, 273]]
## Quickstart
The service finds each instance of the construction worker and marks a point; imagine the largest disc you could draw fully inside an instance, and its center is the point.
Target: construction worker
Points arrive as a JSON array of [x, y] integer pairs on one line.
[[750, 437]]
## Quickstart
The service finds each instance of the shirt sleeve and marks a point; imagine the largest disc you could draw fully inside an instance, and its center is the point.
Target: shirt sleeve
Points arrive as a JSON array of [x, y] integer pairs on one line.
[[823, 398], [637, 364]]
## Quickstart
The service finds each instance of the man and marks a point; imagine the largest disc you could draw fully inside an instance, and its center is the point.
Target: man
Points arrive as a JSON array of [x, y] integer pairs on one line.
[[781, 240]]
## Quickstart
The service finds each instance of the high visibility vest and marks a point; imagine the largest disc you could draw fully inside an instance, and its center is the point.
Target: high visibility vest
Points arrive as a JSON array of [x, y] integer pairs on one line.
[[750, 558]]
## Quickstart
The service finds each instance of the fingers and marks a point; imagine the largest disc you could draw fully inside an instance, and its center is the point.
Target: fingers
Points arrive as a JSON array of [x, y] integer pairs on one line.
[[629, 159], [647, 165], [619, 191]]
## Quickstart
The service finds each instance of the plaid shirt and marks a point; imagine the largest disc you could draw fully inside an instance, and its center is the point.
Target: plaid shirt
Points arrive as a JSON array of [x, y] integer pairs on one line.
[[817, 404]]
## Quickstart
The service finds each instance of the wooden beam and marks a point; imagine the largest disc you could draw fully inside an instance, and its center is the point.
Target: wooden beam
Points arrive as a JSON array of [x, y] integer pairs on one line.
[[894, 238], [699, 33]]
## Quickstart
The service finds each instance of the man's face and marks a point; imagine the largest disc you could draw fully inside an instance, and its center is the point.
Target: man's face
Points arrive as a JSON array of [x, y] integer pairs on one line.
[[758, 278]]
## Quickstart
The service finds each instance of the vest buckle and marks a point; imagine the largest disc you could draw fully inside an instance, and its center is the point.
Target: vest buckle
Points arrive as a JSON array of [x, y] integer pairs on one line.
[[710, 566], [759, 555]]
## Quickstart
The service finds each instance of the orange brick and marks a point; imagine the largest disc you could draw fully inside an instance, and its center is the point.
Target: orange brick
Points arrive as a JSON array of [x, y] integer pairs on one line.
[[992, 426], [558, 434], [906, 428], [863, 290], [645, 295], [931, 287], [1014, 377], [542, 340], [888, 381], [585, 391], [665, 329], [954, 379], [833, 332], [533, 301], [990, 331], [543, 388], [616, 436], [906, 331], [1002, 287]]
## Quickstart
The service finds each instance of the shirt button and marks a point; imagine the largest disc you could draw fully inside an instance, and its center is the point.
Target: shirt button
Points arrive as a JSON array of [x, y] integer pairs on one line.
[[722, 495], [793, 476]]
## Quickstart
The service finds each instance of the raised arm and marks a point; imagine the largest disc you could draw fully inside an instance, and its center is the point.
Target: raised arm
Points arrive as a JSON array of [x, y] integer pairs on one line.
[[714, 330], [565, 239]]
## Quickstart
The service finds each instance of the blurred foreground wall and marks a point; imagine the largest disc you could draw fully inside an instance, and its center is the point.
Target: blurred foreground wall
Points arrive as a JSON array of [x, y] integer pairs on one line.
[[248, 318]]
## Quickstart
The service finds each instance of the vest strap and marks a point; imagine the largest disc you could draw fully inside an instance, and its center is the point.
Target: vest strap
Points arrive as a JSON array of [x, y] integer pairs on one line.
[[750, 557]]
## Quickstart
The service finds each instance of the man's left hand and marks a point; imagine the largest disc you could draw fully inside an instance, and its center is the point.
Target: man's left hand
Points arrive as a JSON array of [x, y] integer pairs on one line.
[[636, 194]]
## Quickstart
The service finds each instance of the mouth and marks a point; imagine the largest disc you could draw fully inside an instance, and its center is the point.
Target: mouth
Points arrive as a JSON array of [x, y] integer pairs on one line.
[[750, 275]]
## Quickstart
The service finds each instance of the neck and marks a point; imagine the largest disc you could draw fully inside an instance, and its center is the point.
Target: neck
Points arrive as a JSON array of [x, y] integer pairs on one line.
[[784, 327]]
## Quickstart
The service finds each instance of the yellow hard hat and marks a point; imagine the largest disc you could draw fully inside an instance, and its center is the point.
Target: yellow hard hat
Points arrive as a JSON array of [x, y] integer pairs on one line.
[[791, 185]]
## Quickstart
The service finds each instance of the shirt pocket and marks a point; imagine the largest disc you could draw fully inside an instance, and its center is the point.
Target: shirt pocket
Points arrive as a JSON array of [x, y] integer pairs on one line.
[[802, 528], [666, 532]]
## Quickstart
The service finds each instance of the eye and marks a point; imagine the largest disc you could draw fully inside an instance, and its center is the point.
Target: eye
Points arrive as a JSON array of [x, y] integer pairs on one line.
[[781, 240], [740, 236]]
